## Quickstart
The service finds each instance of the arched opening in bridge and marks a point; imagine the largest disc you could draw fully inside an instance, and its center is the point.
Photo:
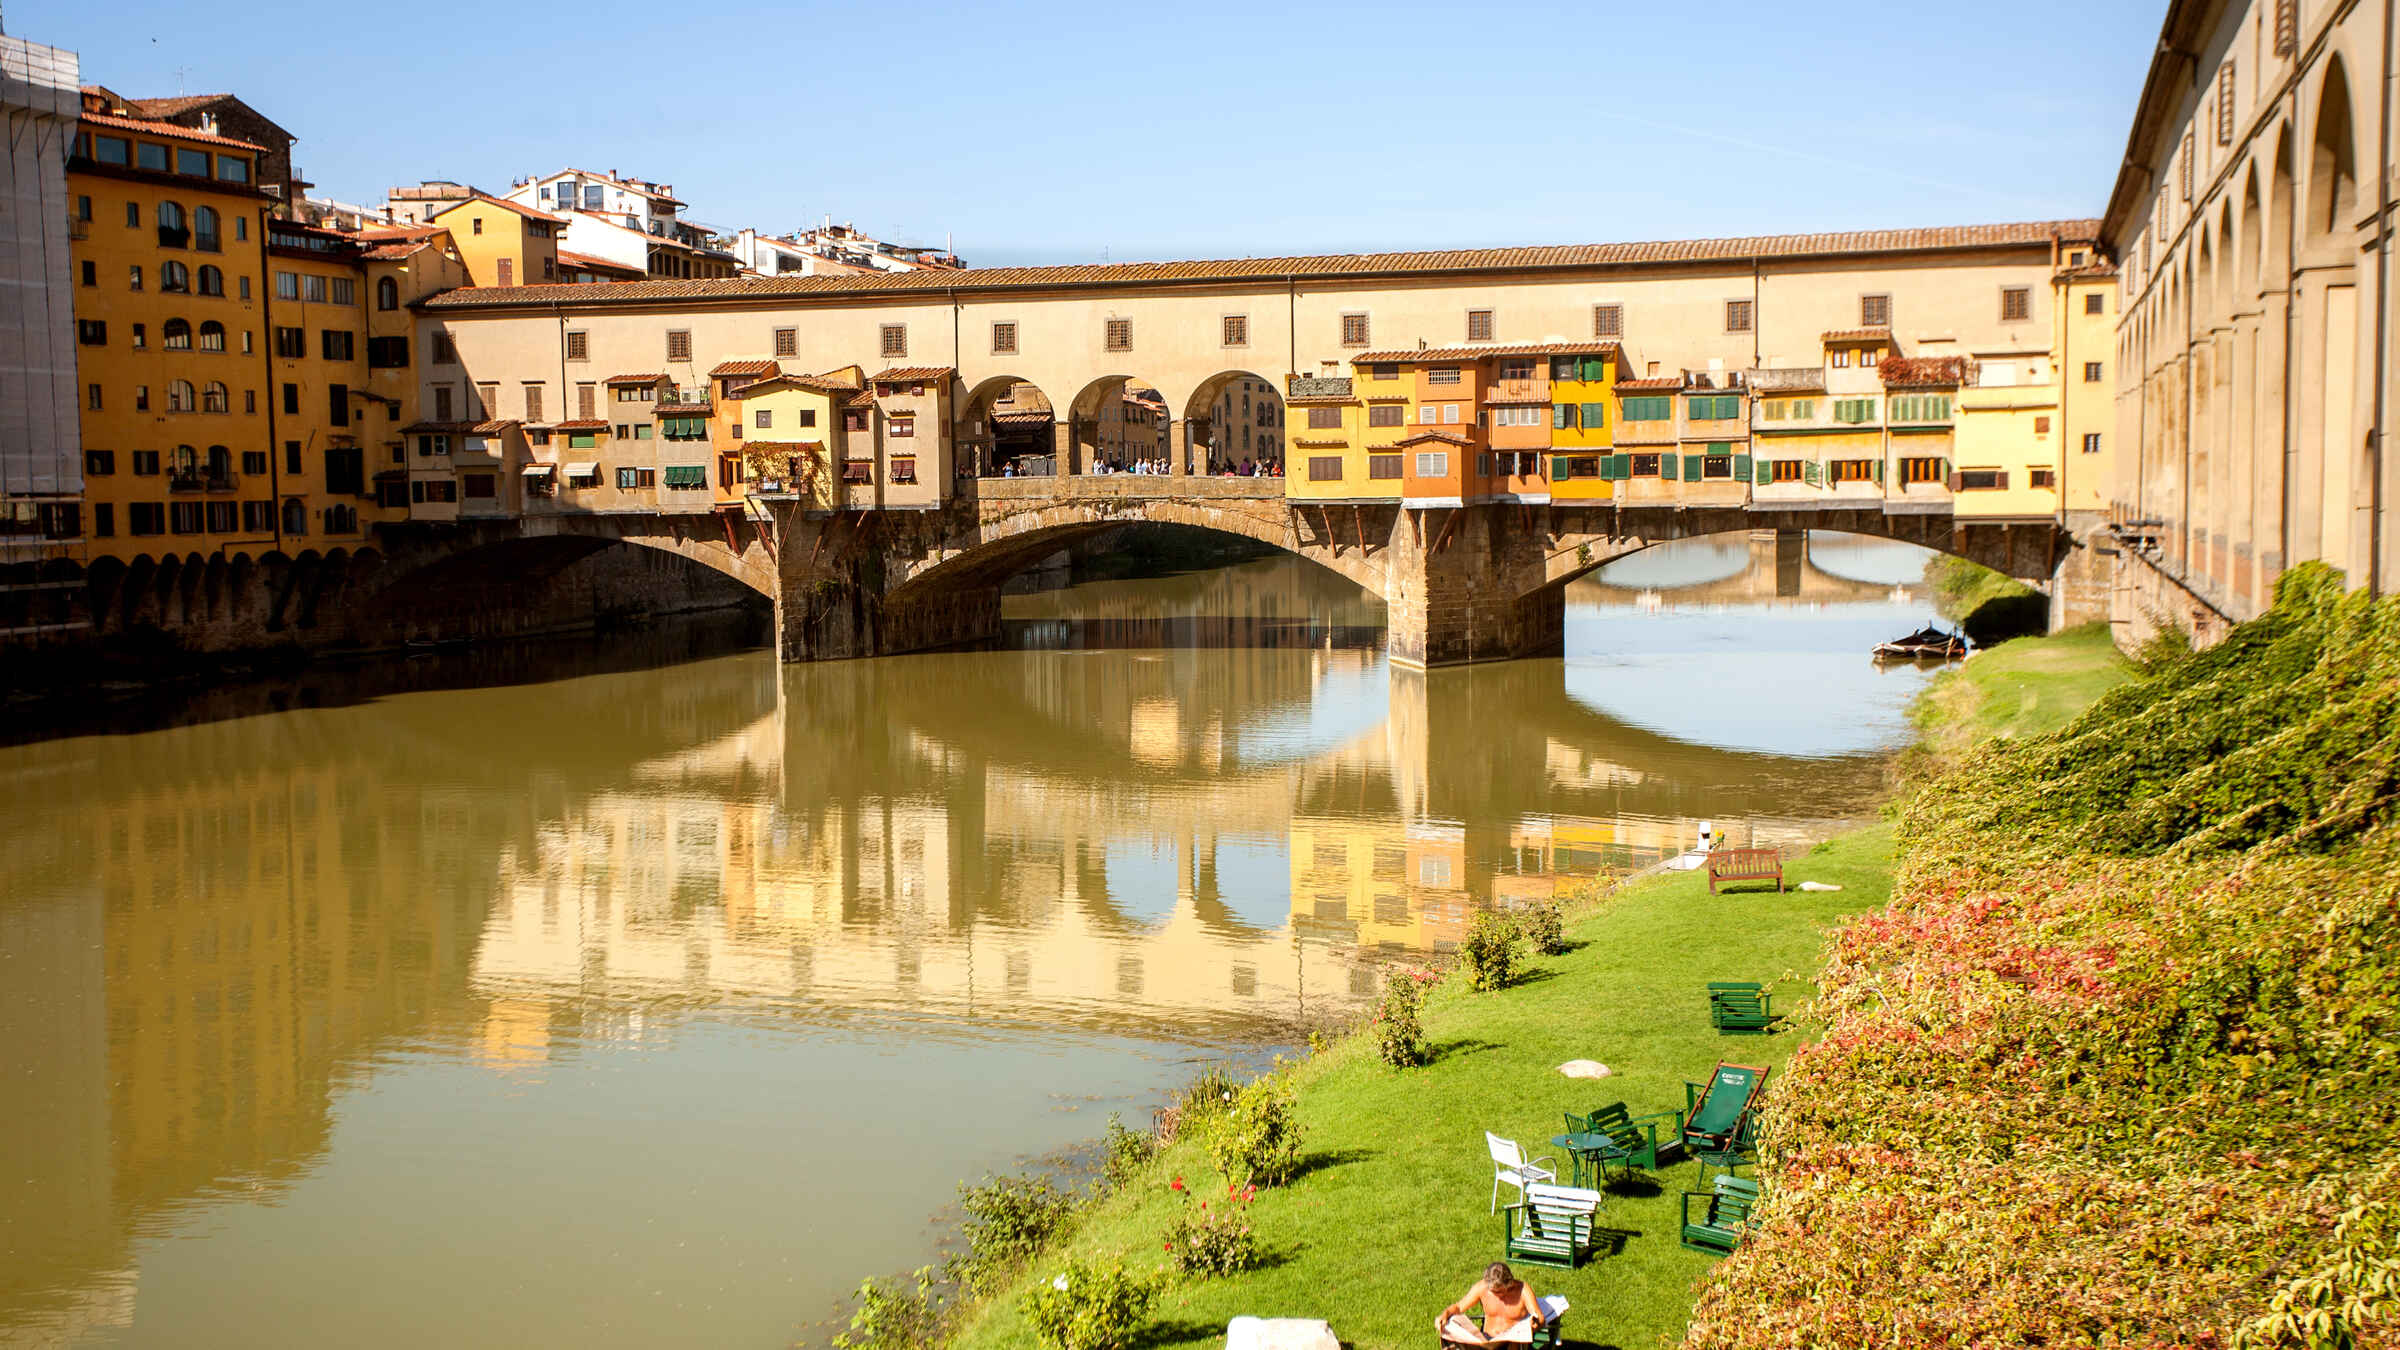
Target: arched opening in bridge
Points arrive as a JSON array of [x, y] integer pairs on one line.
[[548, 583], [1234, 421], [1117, 424], [1007, 430]]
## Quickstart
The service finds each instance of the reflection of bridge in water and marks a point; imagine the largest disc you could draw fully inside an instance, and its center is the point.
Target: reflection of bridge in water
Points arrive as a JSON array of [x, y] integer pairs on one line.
[[1772, 566]]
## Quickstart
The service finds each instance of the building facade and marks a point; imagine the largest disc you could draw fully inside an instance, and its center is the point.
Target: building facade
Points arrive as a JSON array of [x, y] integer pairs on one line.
[[2253, 321], [42, 519]]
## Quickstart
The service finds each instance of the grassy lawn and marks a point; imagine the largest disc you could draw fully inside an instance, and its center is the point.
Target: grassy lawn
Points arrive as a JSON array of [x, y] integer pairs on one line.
[[1381, 1229], [2019, 688]]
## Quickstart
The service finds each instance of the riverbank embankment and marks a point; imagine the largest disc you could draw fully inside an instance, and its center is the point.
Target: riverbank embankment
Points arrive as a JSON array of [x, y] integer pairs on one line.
[[1379, 1228]]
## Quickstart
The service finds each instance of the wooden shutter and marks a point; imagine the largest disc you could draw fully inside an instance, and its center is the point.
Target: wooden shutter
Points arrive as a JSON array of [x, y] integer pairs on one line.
[[1562, 417], [1595, 416], [1691, 468], [1666, 465], [1741, 467]]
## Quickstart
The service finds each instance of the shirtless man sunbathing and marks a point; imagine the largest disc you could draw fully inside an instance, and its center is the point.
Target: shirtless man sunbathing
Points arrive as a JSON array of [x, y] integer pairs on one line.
[[1510, 1311]]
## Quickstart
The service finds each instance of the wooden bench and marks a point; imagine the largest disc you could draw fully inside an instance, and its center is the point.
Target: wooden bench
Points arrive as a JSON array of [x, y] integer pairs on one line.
[[1745, 864], [1553, 1225]]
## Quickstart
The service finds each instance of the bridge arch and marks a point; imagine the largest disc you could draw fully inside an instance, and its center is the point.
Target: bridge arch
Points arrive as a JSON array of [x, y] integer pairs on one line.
[[1231, 416], [1004, 421], [1116, 418], [1007, 541], [2027, 551]]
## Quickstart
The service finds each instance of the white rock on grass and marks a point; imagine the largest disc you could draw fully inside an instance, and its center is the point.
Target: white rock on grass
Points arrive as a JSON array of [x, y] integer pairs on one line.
[[1279, 1333], [1584, 1068]]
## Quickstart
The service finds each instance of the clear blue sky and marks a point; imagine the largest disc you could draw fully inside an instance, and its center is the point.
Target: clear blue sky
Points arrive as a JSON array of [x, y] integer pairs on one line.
[[1052, 131]]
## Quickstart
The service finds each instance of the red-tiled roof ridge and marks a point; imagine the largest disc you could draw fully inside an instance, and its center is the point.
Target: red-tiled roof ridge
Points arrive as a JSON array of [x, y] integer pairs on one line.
[[1402, 356], [913, 373], [1875, 334], [1554, 257], [1446, 437], [1645, 382], [742, 367], [636, 379], [167, 130]]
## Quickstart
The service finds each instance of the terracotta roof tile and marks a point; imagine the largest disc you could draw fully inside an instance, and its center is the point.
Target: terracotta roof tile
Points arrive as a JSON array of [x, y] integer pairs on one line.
[[1923, 372], [913, 373], [1547, 258], [1404, 357], [519, 207], [570, 258], [583, 424], [637, 379], [864, 398], [168, 107], [665, 409], [438, 428], [794, 380], [1882, 335], [724, 369], [166, 131], [1445, 437], [1024, 419], [1649, 383]]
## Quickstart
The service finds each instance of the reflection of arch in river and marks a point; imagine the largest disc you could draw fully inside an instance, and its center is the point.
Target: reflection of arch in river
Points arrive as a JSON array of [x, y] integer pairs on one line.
[[1759, 566]]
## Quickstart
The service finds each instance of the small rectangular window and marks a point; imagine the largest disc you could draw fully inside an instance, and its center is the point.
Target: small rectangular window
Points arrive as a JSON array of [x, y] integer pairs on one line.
[[579, 345], [1004, 339], [1324, 468], [2095, 303], [679, 344], [2091, 442], [1608, 321], [1354, 330], [1387, 415], [1118, 335], [1738, 314], [895, 339], [1433, 464], [2091, 372], [2016, 304], [1319, 418], [1236, 330], [1479, 325], [1874, 311], [787, 342]]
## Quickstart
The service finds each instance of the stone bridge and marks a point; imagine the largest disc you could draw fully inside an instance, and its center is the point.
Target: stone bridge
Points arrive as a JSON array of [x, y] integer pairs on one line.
[[1460, 584]]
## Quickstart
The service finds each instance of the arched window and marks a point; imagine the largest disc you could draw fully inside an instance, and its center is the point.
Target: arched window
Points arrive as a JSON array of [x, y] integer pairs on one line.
[[171, 233], [204, 229], [212, 336], [295, 517], [180, 396], [176, 336], [174, 276], [187, 462], [213, 397], [387, 294], [220, 463], [212, 281]]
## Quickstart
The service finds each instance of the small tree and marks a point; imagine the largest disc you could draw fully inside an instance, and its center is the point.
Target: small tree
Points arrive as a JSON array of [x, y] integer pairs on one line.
[[1490, 951], [1091, 1307], [1256, 1139], [1399, 1023]]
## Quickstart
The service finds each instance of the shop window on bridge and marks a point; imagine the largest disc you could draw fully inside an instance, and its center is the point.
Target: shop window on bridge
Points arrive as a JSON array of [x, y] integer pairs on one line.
[[858, 471], [1969, 480], [1565, 468], [1914, 471], [1715, 408], [1324, 468], [684, 428], [1783, 471], [1854, 410], [1718, 464], [1384, 466], [1921, 408], [904, 468], [684, 477], [1648, 409], [1433, 464], [1857, 471], [1387, 415], [630, 480], [1324, 419]]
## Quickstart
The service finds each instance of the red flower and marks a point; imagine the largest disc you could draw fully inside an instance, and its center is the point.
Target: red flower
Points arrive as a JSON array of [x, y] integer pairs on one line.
[[1176, 1184]]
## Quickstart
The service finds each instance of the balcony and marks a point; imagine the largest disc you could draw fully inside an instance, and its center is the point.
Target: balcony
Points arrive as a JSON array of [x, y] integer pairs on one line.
[[78, 230], [199, 480]]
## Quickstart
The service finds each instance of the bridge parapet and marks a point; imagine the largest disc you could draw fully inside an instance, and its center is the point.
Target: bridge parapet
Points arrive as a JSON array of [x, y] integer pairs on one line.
[[1127, 487]]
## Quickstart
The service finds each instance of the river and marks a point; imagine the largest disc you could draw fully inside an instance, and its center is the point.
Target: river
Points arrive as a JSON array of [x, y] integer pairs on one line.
[[633, 991]]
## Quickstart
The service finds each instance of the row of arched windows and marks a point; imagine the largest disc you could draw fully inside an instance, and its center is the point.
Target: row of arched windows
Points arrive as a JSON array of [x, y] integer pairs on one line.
[[210, 397], [176, 335], [176, 278], [203, 232]]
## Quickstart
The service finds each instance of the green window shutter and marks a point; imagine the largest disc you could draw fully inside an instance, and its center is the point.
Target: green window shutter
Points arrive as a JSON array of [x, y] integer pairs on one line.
[[1720, 447], [1666, 465], [1879, 471], [1558, 417], [1595, 416], [1813, 473], [1691, 468], [1741, 468], [1612, 468]]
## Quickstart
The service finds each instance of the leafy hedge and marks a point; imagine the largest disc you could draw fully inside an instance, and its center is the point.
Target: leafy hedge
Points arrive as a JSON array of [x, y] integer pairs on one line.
[[2121, 1064]]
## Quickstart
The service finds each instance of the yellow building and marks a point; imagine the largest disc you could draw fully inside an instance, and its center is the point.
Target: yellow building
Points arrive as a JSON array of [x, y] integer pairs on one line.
[[1583, 418], [2086, 347], [327, 419], [1329, 460], [171, 309], [790, 426], [503, 243]]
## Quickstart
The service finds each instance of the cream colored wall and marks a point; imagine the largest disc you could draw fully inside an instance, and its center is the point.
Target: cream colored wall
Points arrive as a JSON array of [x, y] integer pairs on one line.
[[1674, 315], [1997, 429]]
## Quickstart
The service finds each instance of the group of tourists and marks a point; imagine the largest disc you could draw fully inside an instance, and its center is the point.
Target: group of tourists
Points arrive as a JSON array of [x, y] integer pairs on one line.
[[1246, 468], [1108, 464]]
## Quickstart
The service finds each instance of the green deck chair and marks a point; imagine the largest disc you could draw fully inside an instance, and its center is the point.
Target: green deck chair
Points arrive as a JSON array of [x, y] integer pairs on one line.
[[1740, 1008], [1724, 1219], [1633, 1140], [1716, 1113]]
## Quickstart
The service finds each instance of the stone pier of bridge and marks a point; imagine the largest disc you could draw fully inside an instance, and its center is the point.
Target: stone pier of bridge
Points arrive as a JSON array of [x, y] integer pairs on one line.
[[1460, 585]]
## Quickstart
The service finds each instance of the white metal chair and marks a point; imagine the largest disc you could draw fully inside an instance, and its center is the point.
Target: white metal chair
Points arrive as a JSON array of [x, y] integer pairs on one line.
[[1510, 1165]]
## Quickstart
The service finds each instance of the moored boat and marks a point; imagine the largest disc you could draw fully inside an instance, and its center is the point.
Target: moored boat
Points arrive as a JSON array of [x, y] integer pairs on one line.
[[1926, 644]]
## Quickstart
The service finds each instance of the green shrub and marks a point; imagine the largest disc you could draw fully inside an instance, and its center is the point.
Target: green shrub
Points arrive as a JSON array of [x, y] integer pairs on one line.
[[1008, 1220], [1256, 1139], [893, 1317], [1543, 927], [1091, 1307], [1214, 1238], [1490, 951], [1398, 1022], [1198, 1105], [1127, 1150]]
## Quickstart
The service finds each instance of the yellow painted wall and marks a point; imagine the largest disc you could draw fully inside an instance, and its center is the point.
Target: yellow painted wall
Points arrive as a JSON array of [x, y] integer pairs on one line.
[[1997, 430]]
